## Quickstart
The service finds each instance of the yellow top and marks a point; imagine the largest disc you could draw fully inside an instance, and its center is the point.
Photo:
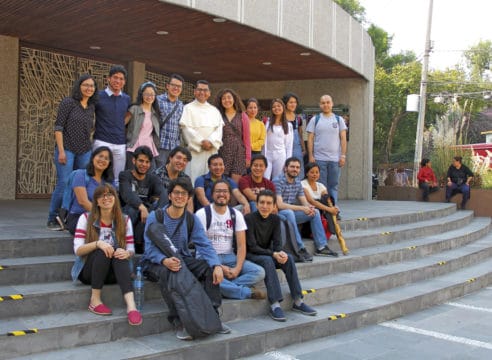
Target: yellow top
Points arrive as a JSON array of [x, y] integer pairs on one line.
[[257, 132]]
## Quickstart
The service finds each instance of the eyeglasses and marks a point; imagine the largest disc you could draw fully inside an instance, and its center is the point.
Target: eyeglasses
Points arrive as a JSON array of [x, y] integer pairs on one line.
[[220, 191], [202, 90], [106, 196], [176, 86], [88, 86], [148, 95], [180, 193]]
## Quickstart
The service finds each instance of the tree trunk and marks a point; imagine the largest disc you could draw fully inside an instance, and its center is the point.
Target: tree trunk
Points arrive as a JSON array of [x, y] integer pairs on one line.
[[391, 135]]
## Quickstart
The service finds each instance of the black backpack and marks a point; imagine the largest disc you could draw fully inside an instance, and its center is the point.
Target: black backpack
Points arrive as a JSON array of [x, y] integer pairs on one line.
[[194, 308]]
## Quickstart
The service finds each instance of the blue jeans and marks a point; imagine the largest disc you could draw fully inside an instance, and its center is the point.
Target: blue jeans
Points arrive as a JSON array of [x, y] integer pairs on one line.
[[239, 288], [454, 189], [252, 206], [74, 162], [274, 291], [298, 217], [329, 174]]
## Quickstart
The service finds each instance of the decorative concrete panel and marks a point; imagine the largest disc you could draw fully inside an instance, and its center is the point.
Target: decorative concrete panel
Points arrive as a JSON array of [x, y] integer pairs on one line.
[[343, 37], [296, 21], [356, 46], [323, 26], [259, 16], [229, 9]]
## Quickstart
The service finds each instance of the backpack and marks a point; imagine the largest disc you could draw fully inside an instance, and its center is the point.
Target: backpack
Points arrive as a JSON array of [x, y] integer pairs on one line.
[[69, 194], [318, 116], [208, 216], [289, 243], [190, 220], [194, 307]]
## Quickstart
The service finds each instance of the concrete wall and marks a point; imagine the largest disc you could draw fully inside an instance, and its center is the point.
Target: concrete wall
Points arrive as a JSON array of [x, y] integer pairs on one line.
[[320, 25], [9, 88], [355, 182]]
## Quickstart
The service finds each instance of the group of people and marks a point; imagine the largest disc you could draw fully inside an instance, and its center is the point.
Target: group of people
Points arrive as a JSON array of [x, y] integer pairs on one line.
[[148, 156], [458, 179]]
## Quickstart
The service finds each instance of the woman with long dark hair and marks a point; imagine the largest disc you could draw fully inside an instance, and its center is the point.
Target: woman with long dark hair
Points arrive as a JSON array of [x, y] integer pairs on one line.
[[73, 126], [143, 124], [291, 102], [278, 141], [236, 142], [99, 171], [103, 243]]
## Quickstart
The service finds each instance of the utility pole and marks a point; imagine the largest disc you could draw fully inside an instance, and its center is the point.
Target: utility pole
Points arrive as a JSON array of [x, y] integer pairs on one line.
[[419, 140]]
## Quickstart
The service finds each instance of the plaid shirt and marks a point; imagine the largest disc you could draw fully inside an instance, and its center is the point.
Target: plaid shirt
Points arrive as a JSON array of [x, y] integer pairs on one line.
[[163, 175], [170, 131], [290, 192]]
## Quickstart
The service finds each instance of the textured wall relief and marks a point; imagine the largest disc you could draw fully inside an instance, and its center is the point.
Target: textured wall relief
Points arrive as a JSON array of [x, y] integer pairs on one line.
[[45, 79]]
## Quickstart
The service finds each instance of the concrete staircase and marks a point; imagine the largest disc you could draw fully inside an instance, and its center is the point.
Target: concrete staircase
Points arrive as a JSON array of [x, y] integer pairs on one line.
[[405, 256]]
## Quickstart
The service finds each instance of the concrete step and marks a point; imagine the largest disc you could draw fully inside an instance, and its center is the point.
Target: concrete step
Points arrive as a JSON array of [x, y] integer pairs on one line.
[[358, 215], [74, 328], [57, 268], [48, 297], [35, 240], [260, 334], [387, 234]]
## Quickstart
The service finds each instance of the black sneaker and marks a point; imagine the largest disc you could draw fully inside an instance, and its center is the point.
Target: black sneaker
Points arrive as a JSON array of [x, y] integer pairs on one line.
[[304, 309], [277, 314], [181, 332], [225, 329], [305, 255], [326, 251], [54, 226]]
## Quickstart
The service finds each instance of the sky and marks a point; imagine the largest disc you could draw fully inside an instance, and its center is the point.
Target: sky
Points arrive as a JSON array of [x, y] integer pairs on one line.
[[456, 25]]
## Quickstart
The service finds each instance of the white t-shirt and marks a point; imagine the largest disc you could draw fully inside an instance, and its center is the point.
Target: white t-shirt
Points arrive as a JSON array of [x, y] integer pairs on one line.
[[106, 234], [220, 232], [320, 189]]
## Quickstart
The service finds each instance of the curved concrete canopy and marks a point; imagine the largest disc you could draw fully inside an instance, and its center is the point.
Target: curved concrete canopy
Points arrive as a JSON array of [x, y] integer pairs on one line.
[[193, 44]]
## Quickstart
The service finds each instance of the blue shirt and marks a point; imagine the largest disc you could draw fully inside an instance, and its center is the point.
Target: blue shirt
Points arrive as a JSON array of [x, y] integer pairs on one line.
[[110, 117], [290, 192], [180, 240], [79, 181], [206, 182], [170, 131]]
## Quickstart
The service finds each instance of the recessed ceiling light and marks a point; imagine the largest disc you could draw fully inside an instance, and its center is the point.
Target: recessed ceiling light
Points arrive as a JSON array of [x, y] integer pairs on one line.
[[197, 72], [219, 20], [95, 47], [305, 54], [162, 32], [267, 63]]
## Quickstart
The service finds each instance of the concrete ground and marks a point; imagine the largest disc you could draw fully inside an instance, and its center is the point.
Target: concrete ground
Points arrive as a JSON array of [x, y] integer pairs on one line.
[[461, 329]]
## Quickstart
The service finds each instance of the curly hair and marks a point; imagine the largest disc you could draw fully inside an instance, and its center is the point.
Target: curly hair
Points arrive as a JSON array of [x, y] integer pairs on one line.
[[238, 103]]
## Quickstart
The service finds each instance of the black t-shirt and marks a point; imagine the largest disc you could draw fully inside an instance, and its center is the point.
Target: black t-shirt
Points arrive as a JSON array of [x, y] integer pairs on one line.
[[135, 192], [459, 176]]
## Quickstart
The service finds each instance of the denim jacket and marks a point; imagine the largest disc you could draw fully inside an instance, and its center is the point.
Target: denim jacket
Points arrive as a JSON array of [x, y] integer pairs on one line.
[[80, 260]]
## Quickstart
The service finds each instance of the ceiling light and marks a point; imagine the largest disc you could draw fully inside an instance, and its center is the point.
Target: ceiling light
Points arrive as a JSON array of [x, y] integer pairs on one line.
[[305, 54], [95, 47], [197, 72], [219, 20], [267, 63], [162, 32]]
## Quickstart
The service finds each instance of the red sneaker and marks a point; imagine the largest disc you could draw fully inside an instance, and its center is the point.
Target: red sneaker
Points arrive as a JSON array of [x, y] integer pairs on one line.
[[134, 318], [100, 309]]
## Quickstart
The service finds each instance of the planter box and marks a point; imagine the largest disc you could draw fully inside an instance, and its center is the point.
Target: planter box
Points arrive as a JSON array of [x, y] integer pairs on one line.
[[480, 201]]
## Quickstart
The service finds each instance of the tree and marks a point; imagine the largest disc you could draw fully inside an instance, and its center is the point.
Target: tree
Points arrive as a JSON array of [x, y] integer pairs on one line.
[[479, 59], [354, 8], [390, 92]]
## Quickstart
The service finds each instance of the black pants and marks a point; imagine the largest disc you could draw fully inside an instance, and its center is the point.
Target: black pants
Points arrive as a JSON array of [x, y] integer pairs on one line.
[[202, 271], [99, 270], [427, 189]]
